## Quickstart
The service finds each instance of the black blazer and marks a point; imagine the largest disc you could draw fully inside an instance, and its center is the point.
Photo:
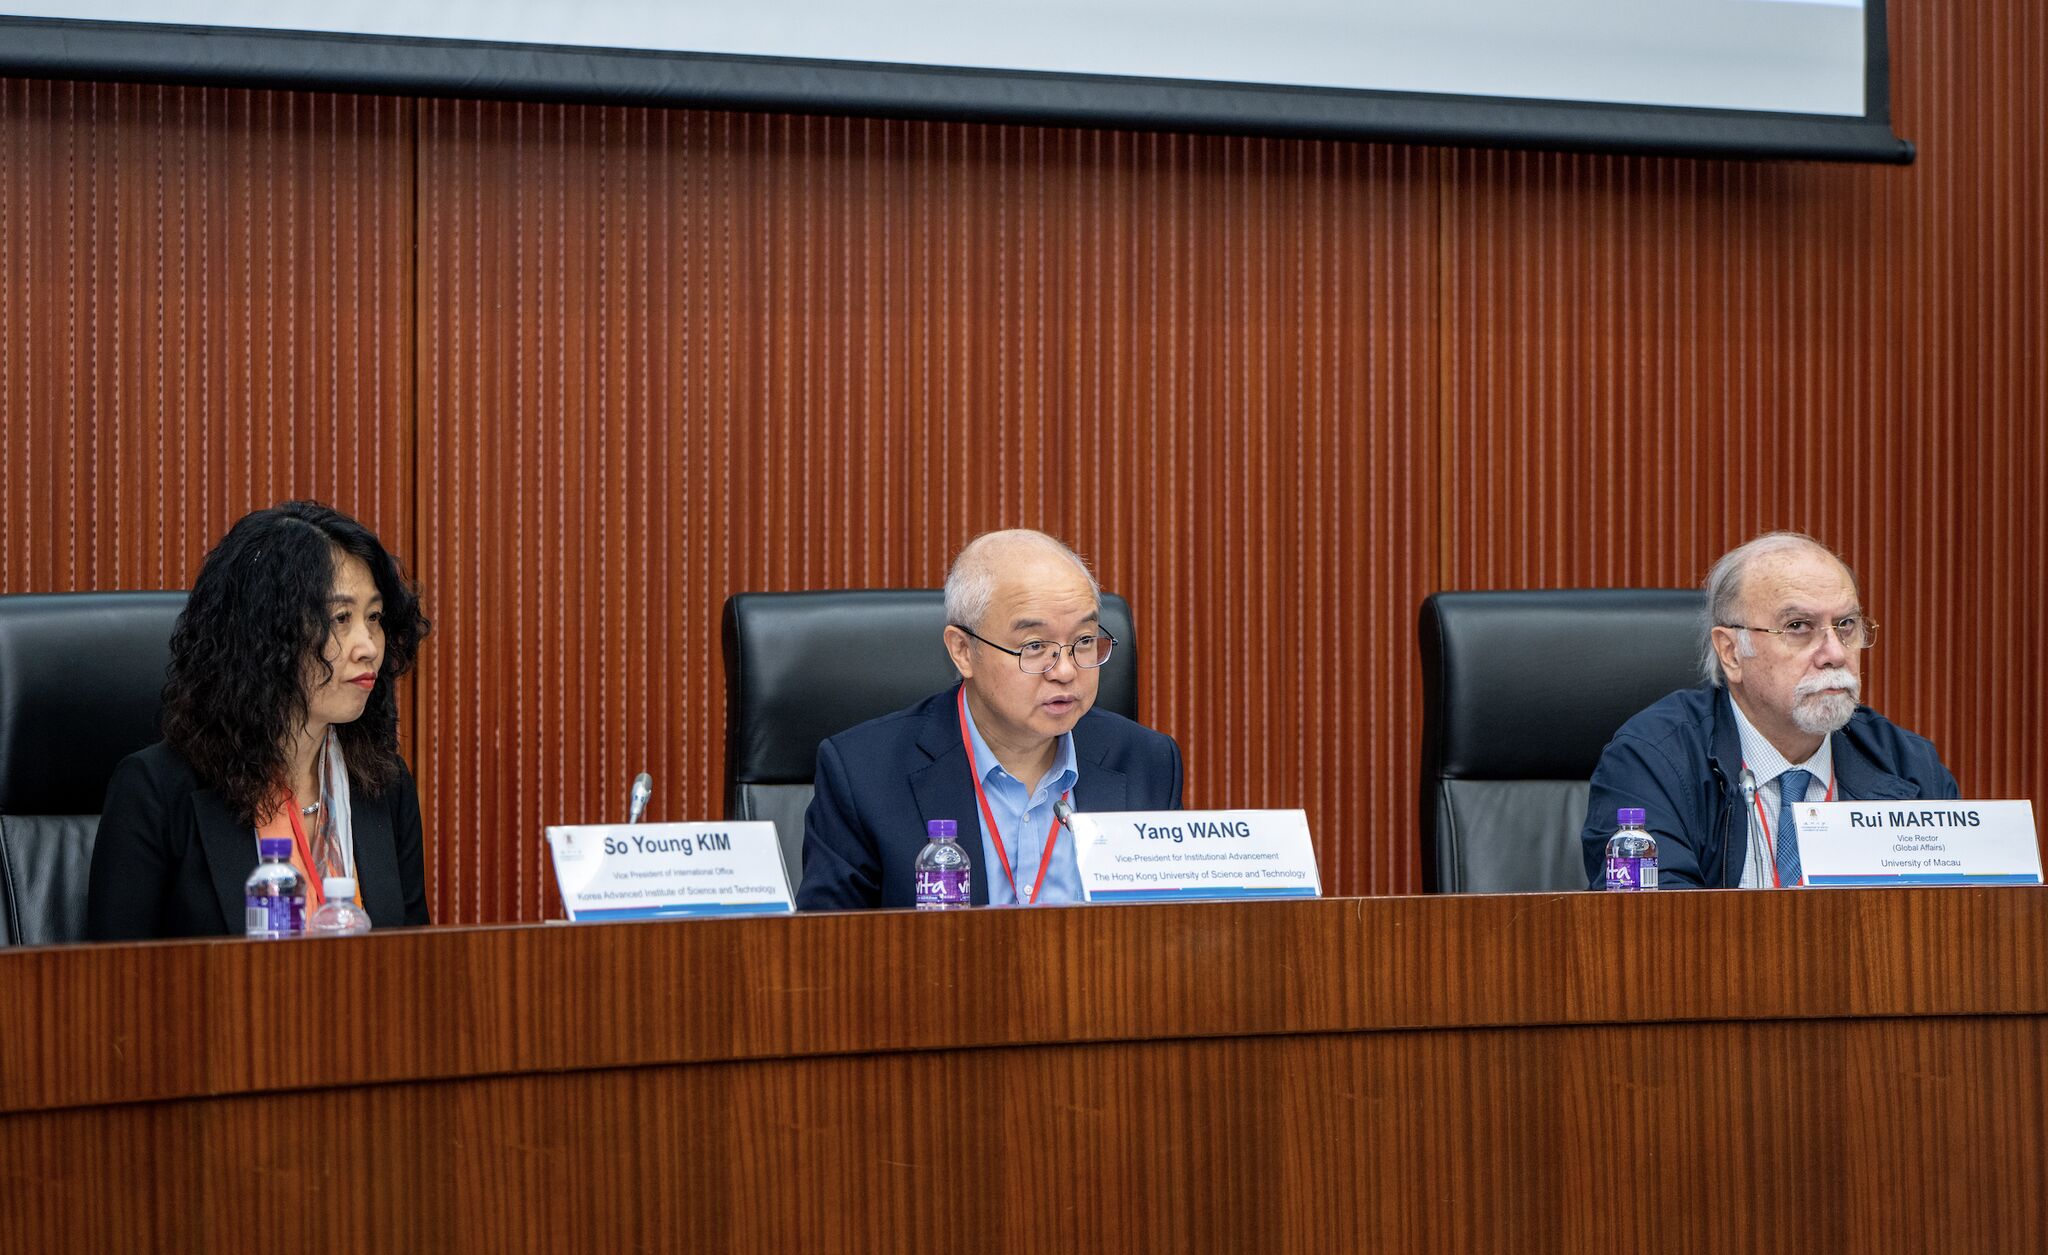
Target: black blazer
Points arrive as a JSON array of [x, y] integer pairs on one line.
[[170, 860], [878, 783]]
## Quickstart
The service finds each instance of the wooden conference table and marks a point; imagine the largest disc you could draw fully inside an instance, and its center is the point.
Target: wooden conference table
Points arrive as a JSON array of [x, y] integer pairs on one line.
[[1822, 1071]]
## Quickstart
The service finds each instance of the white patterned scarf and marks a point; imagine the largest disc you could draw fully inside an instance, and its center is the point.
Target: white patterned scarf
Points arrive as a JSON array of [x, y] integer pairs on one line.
[[333, 835]]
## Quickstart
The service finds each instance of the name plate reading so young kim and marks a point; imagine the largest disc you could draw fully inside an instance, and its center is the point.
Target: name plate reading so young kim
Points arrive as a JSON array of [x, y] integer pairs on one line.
[[665, 871], [1180, 856], [1918, 843]]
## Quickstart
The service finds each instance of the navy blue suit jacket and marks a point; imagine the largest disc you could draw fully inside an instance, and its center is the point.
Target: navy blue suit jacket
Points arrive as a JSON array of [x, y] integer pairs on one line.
[[1681, 761], [878, 783]]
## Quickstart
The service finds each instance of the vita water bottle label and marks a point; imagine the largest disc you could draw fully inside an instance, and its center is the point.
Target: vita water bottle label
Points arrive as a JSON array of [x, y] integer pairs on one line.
[[1631, 873], [937, 890], [275, 917]]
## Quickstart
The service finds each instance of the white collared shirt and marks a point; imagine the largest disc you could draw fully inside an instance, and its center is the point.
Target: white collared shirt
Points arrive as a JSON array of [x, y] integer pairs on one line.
[[1766, 764]]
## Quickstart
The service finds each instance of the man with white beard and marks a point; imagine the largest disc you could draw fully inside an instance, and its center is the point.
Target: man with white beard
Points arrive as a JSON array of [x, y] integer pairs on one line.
[[1719, 768]]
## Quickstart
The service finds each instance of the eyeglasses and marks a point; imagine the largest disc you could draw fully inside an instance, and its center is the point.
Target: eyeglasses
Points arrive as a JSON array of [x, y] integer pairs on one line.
[[1854, 631], [1037, 657]]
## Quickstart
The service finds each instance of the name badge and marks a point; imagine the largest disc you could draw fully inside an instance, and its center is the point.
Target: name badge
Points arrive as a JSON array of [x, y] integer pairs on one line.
[[1181, 856], [1918, 843], [663, 871]]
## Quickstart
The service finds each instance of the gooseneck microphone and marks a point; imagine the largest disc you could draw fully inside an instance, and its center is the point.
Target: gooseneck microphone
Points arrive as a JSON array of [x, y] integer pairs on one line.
[[1748, 805], [636, 803]]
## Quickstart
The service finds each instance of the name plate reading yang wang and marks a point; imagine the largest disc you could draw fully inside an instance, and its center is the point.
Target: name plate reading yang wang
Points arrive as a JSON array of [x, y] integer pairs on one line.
[[1181, 856], [1918, 843], [667, 871]]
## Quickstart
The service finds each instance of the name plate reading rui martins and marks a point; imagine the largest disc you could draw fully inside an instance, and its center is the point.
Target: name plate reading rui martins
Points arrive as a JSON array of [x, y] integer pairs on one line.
[[666, 871], [1181, 856], [1918, 843]]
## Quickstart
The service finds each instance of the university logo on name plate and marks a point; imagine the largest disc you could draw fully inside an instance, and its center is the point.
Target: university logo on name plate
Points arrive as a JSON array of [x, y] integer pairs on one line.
[[669, 871], [1185, 856]]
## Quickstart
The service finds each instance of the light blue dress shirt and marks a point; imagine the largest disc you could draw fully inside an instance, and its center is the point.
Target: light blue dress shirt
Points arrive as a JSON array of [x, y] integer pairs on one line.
[[1766, 766], [1024, 815]]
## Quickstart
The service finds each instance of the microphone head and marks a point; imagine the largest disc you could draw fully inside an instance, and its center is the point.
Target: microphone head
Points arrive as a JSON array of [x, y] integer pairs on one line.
[[1064, 812], [636, 804]]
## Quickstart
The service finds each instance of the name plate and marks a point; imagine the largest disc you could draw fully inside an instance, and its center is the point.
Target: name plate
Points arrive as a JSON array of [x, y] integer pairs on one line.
[[664, 871], [1181, 856], [1918, 843]]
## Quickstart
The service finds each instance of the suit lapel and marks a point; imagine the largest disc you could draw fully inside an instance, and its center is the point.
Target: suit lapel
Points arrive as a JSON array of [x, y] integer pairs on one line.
[[230, 856], [377, 862], [944, 789], [1859, 779], [1098, 788]]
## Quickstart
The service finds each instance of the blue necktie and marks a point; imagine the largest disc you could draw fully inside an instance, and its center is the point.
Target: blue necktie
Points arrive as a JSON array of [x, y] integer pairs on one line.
[[1791, 792]]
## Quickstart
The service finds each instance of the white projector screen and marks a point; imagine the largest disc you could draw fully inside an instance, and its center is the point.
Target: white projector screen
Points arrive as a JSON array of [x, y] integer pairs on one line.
[[1792, 78]]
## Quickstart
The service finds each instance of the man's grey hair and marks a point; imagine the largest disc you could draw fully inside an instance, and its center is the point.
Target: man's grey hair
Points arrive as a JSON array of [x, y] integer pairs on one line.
[[971, 584], [1724, 592]]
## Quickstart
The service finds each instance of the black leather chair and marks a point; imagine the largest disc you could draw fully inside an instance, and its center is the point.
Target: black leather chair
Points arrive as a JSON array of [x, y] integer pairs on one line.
[[800, 667], [1520, 693], [81, 685]]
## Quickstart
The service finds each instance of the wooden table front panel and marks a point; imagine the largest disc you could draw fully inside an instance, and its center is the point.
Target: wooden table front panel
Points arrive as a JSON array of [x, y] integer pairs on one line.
[[1197, 1125]]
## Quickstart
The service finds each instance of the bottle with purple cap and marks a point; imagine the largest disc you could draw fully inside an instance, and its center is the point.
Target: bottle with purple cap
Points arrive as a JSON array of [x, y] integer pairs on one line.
[[1631, 853], [942, 869], [275, 893]]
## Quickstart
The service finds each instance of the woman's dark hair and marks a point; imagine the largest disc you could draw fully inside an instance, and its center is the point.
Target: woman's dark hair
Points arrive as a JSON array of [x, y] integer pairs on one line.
[[257, 619]]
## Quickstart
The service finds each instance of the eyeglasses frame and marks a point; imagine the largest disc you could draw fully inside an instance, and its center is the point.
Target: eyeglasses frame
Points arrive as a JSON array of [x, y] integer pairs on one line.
[[1018, 654], [1834, 630]]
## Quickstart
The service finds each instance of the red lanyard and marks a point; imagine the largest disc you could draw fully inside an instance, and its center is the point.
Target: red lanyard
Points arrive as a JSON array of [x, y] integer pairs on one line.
[[1756, 799], [988, 817], [316, 892]]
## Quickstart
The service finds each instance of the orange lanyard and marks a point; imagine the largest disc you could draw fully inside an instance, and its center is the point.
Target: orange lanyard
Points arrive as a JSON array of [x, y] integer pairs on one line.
[[1052, 834], [1756, 799]]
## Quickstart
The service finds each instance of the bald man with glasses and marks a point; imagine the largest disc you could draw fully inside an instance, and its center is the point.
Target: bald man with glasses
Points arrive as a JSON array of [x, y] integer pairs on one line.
[[1719, 768], [998, 753]]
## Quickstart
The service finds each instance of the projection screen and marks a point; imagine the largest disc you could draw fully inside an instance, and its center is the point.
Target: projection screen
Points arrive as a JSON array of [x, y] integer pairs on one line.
[[1757, 78]]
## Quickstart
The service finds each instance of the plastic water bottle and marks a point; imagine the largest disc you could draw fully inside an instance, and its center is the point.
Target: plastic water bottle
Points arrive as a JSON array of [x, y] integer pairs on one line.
[[275, 892], [339, 916], [942, 869], [1631, 853]]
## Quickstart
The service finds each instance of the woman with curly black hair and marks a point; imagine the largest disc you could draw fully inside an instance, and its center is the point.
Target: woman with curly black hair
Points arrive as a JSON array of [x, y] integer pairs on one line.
[[279, 720]]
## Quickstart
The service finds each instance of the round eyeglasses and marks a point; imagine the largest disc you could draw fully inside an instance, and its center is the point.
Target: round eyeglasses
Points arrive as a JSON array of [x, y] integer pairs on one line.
[[1036, 657]]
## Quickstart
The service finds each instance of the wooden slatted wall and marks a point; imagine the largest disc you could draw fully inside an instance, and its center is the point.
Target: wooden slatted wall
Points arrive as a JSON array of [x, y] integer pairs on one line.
[[590, 370]]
